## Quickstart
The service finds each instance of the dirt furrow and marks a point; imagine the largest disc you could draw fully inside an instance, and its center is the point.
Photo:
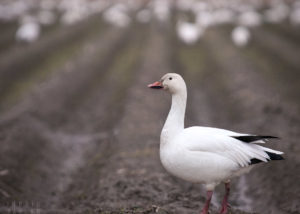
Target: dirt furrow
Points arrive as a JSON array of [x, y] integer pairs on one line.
[[23, 62], [38, 127], [7, 39], [286, 31], [281, 76], [103, 117], [78, 74], [277, 47]]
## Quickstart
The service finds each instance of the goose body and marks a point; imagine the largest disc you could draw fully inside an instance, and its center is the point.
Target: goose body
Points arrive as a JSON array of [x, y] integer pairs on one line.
[[203, 154]]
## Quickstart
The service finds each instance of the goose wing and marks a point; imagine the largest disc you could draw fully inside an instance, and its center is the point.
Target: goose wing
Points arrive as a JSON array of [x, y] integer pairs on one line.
[[228, 144]]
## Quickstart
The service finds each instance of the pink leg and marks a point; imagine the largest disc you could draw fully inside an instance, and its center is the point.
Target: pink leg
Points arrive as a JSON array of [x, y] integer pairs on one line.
[[206, 206], [225, 204]]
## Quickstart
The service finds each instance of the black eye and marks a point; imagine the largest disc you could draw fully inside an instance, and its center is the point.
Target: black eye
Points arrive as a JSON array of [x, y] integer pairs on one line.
[[170, 78]]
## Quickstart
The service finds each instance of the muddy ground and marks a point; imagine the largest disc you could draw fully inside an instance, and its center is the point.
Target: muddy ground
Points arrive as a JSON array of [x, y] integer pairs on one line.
[[79, 129]]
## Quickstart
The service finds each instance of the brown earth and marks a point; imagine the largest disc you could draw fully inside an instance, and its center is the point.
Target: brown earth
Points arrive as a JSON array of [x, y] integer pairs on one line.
[[80, 130]]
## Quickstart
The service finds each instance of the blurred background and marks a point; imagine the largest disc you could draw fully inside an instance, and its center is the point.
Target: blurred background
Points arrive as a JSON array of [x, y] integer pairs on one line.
[[79, 129]]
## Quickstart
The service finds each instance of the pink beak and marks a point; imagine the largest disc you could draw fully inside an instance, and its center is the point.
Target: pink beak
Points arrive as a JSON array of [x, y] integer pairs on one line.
[[156, 85]]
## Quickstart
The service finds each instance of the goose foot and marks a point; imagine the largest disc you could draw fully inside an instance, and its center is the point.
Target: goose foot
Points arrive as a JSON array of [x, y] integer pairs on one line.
[[224, 209]]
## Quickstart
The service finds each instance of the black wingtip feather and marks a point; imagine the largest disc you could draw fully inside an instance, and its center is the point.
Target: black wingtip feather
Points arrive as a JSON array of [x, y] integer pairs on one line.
[[272, 156], [251, 138]]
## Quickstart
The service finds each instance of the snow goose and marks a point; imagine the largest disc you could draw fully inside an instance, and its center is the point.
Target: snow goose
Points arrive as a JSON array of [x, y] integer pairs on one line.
[[117, 15], [250, 19], [277, 13], [203, 154], [28, 32], [188, 32], [240, 36]]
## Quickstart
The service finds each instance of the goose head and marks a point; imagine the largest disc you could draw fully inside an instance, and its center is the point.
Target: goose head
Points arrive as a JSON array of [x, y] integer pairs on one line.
[[170, 82]]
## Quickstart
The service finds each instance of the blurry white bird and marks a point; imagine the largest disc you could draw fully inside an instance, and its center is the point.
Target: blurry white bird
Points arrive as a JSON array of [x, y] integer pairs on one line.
[[28, 32], [295, 16], [117, 15], [48, 4], [203, 154], [46, 17], [188, 32], [205, 19], [250, 19], [13, 9], [71, 17], [143, 16], [185, 5], [223, 16], [240, 36], [277, 13], [161, 10]]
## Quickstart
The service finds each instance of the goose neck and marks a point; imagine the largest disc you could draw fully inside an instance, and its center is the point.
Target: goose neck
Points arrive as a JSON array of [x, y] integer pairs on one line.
[[175, 120]]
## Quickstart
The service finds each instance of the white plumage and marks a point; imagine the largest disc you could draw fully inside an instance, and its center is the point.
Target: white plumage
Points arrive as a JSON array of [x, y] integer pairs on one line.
[[203, 154]]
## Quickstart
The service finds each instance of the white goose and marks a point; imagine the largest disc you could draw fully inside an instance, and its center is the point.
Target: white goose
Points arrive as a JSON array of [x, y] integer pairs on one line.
[[203, 154]]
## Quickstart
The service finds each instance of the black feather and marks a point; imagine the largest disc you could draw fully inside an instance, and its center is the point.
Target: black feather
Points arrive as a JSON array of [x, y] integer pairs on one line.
[[254, 161], [251, 138], [272, 156]]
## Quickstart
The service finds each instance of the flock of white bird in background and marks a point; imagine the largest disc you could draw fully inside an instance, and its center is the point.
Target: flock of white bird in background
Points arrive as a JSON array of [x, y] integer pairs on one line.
[[244, 15], [32, 15]]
